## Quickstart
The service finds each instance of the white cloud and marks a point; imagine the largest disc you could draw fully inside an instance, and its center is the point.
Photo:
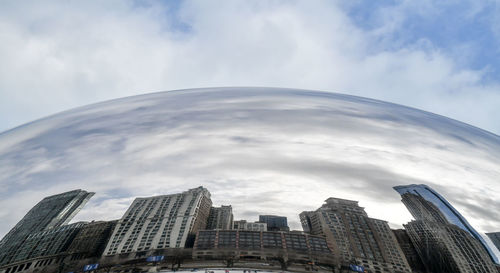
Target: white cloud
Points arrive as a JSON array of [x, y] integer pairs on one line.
[[56, 56]]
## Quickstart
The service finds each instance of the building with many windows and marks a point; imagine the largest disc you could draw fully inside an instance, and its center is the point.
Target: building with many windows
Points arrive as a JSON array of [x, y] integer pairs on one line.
[[274, 222], [409, 250], [157, 222], [49, 214], [426, 204], [254, 226], [48, 242], [448, 248], [91, 240], [223, 244], [443, 239], [355, 237], [220, 218]]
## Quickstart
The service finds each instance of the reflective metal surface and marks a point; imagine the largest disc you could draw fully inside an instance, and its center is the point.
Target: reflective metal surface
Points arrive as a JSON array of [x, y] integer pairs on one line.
[[262, 150]]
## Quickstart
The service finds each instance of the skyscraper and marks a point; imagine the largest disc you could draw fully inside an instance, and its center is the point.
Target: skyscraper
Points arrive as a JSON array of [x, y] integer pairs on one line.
[[409, 250], [91, 240], [440, 211], [274, 222], [49, 242], [50, 213], [163, 221], [354, 236], [448, 248], [220, 218]]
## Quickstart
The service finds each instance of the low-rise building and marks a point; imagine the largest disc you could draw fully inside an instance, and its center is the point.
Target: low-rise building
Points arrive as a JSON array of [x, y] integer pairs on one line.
[[223, 244]]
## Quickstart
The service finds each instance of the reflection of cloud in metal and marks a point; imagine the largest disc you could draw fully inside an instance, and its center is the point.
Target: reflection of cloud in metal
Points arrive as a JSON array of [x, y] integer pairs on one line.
[[262, 150]]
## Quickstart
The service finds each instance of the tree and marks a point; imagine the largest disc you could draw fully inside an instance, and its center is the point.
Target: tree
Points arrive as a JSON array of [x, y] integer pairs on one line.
[[228, 259], [284, 261], [178, 257]]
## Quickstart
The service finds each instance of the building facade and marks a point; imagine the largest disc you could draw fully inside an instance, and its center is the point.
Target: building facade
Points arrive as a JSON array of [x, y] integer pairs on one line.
[[48, 242], [409, 250], [91, 240], [164, 221], [49, 214], [437, 209], [253, 226], [448, 248], [274, 222], [221, 244], [220, 218], [356, 237]]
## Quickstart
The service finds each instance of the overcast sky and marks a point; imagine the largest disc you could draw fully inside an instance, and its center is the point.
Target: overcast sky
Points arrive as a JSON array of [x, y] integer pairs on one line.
[[440, 56]]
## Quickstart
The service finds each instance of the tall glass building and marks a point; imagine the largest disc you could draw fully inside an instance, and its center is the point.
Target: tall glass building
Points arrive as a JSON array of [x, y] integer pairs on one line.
[[274, 222], [446, 211], [50, 213]]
